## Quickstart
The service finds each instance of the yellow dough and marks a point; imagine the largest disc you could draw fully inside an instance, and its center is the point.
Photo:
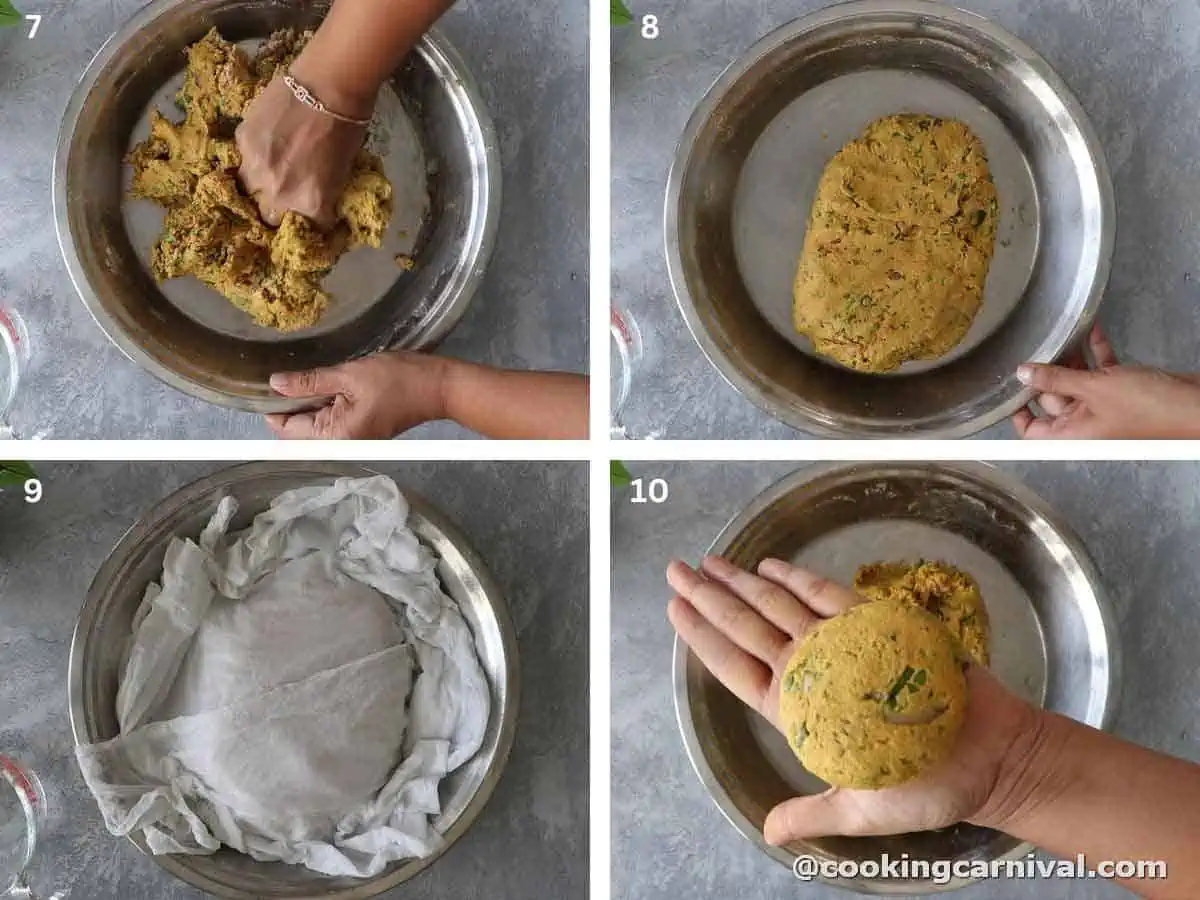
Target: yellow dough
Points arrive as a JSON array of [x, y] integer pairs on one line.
[[874, 697], [212, 230], [949, 593], [899, 241]]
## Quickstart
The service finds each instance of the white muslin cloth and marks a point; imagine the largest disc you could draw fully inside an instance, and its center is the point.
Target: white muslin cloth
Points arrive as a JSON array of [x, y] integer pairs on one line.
[[296, 691]]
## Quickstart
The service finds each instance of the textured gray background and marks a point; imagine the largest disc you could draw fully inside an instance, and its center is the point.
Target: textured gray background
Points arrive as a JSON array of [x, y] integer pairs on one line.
[[1140, 524], [531, 63], [1135, 67], [529, 523]]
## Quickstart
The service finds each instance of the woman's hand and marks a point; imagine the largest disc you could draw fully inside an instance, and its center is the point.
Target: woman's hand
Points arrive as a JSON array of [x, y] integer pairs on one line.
[[744, 628], [295, 158], [1110, 402], [389, 393], [375, 398]]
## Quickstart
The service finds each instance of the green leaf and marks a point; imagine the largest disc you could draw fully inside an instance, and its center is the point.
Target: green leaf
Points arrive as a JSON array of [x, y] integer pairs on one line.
[[620, 13], [898, 685], [619, 473], [9, 14], [15, 472]]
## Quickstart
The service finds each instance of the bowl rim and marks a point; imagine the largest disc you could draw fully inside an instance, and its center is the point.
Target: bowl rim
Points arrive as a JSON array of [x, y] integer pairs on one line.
[[508, 712], [487, 194], [810, 419], [12, 358], [984, 472]]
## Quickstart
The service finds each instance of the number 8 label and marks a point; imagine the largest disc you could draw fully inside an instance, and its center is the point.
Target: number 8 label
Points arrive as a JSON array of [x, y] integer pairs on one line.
[[649, 27]]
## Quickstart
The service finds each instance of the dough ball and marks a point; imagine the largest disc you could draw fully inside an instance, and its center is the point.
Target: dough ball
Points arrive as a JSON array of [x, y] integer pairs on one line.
[[949, 593], [898, 244], [874, 697]]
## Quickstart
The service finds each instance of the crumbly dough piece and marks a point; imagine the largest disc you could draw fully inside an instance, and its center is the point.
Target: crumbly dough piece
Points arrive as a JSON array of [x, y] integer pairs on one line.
[[874, 697], [212, 230], [949, 593], [899, 241]]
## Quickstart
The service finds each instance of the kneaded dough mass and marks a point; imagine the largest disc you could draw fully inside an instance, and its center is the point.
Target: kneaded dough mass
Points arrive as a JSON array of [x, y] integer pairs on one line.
[[874, 697], [949, 593], [898, 244], [214, 231]]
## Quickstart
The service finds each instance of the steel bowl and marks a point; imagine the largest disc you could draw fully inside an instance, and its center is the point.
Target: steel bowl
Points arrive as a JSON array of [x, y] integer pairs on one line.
[[746, 172], [188, 335], [105, 624], [1053, 634]]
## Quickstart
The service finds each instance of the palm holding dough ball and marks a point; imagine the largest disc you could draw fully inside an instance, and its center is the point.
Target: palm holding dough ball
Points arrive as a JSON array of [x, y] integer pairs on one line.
[[874, 697]]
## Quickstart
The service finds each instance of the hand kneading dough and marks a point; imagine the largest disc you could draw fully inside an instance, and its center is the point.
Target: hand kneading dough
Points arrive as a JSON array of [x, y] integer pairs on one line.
[[214, 231], [874, 697], [899, 241], [949, 593]]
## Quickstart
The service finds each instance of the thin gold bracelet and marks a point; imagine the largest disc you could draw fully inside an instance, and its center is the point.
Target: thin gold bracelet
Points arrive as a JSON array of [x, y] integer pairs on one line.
[[305, 96]]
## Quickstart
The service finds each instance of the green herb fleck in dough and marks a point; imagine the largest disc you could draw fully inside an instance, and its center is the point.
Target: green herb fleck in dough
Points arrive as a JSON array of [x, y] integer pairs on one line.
[[898, 685]]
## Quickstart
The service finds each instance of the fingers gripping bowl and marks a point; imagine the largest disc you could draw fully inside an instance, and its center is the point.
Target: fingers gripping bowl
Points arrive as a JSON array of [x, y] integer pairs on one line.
[[115, 595], [747, 169], [1053, 640], [437, 133]]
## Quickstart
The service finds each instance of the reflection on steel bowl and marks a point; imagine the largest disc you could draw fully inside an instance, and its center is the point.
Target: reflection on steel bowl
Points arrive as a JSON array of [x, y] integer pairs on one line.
[[1053, 633], [105, 622], [746, 171]]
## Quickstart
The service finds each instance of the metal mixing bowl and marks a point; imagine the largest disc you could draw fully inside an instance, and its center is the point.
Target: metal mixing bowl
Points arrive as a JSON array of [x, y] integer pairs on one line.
[[193, 339], [105, 624], [1053, 637], [746, 171]]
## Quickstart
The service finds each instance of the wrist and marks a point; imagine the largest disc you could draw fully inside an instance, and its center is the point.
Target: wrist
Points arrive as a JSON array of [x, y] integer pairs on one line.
[[1033, 774], [408, 390], [453, 387], [334, 85], [1177, 417], [1191, 423]]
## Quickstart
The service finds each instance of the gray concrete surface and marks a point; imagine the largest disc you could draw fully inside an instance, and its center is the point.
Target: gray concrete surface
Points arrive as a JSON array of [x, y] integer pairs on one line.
[[529, 523], [1139, 522], [531, 64], [1135, 67]]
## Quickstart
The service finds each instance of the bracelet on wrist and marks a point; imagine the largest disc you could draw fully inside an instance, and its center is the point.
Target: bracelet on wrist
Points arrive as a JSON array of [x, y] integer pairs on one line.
[[305, 96]]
